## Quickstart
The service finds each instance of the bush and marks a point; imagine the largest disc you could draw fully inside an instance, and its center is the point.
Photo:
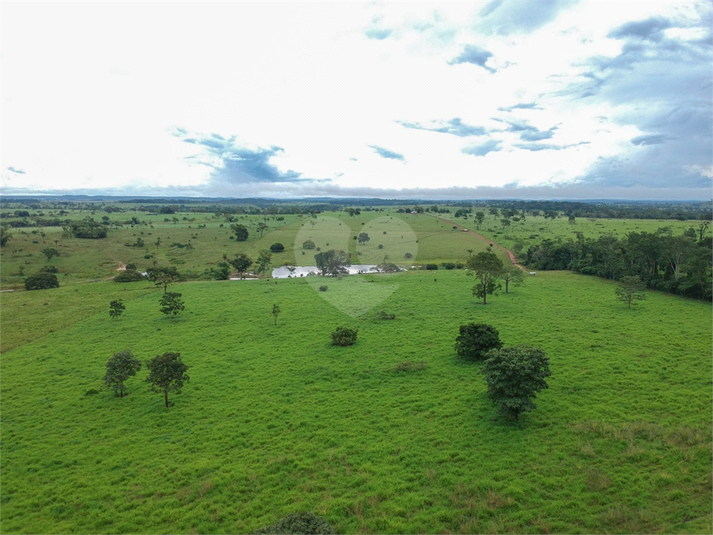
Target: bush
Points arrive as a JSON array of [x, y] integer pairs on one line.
[[449, 265], [408, 255], [309, 244], [385, 315], [323, 288], [41, 281], [432, 267], [475, 340], [299, 524], [129, 276], [344, 336], [277, 247], [49, 269]]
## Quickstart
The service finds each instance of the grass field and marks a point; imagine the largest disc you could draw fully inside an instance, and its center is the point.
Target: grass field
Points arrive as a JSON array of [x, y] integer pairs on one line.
[[276, 420]]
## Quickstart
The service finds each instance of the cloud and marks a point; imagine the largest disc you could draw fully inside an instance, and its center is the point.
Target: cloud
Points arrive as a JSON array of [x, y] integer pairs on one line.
[[544, 146], [378, 33], [649, 29], [454, 127], [651, 139], [14, 170], [385, 153], [521, 106], [475, 55], [506, 17], [538, 135], [481, 150]]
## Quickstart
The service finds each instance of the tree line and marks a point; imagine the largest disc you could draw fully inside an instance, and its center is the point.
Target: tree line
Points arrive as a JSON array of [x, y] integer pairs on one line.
[[678, 264]]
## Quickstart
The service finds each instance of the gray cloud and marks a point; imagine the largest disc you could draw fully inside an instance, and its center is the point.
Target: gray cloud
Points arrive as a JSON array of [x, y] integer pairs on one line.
[[475, 55], [378, 33], [546, 146], [538, 135], [514, 16], [649, 29], [651, 139], [454, 127], [385, 153], [15, 170], [521, 106], [491, 145]]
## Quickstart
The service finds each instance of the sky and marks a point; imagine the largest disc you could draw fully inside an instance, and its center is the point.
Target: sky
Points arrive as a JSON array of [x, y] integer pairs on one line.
[[521, 99]]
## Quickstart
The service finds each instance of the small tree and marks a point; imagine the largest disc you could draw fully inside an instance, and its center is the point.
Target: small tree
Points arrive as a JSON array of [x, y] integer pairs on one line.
[[241, 263], [487, 268], [49, 252], [277, 247], [630, 288], [512, 275], [514, 376], [171, 303], [167, 373], [363, 237], [119, 368], [475, 340], [116, 308], [241, 233], [263, 261], [163, 276], [308, 244], [41, 281], [5, 235], [344, 336], [276, 312]]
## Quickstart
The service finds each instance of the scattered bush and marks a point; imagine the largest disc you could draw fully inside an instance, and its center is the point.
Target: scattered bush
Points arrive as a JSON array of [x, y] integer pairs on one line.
[[344, 336], [408, 255], [385, 315], [49, 269], [129, 276], [309, 244], [323, 288], [449, 265], [41, 281], [277, 247], [409, 366], [432, 267], [475, 340], [299, 524]]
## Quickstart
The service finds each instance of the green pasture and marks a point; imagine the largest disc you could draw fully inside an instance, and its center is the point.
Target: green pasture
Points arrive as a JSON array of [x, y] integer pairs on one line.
[[276, 420]]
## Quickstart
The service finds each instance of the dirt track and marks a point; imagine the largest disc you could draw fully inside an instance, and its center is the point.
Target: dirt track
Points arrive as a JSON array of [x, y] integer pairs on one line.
[[512, 256]]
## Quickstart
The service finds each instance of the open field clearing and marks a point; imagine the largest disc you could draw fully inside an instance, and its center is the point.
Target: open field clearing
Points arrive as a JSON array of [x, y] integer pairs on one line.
[[276, 420]]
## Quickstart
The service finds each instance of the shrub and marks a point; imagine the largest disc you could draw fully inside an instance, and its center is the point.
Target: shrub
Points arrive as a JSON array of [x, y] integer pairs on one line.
[[432, 267], [49, 269], [41, 281], [475, 340], [309, 244], [385, 315], [344, 336], [449, 265], [299, 524], [408, 255], [277, 247], [129, 276], [323, 288]]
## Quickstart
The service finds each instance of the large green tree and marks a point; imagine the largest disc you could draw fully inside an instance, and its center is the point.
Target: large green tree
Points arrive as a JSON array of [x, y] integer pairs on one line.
[[332, 262], [487, 268], [241, 263], [514, 376], [50, 252], [475, 340], [171, 303], [167, 373], [241, 233], [119, 368], [163, 276]]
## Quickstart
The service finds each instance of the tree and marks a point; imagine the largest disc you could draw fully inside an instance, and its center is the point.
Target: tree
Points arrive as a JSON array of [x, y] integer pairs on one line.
[[241, 263], [512, 275], [479, 217], [276, 311], [171, 303], [261, 227], [630, 288], [344, 336], [475, 340], [487, 268], [332, 262], [157, 243], [308, 244], [116, 308], [277, 247], [41, 281], [167, 373], [514, 376], [119, 368], [263, 261], [163, 276], [363, 237], [49, 252], [5, 235], [505, 222], [241, 233]]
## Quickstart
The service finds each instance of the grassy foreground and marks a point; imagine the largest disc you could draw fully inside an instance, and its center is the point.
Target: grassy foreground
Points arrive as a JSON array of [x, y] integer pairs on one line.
[[276, 420]]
